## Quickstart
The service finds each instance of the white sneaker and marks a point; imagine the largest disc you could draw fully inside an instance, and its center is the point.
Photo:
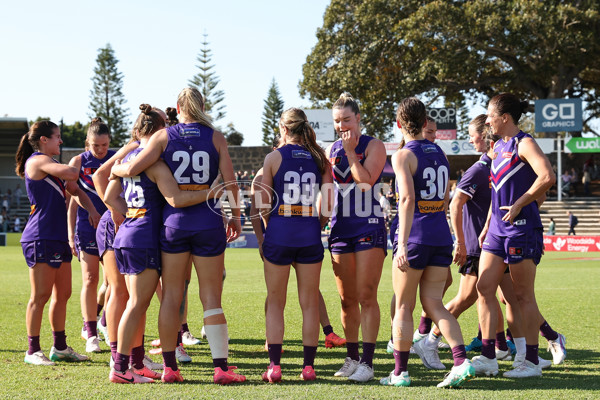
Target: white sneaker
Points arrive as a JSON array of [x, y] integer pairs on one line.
[[38, 358], [363, 373], [519, 359], [181, 355], [525, 370], [189, 340], [558, 349], [485, 366], [348, 368], [67, 354], [429, 356], [203, 333], [396, 380], [84, 333], [103, 329], [544, 363], [458, 375], [443, 345], [390, 347], [148, 363], [92, 345], [503, 355], [417, 336]]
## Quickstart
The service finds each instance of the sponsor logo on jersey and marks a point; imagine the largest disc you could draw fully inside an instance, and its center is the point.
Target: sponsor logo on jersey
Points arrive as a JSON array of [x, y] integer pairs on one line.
[[429, 148], [507, 154], [426, 207], [135, 213], [56, 256], [288, 210], [520, 222], [301, 154], [373, 220], [515, 251], [188, 131], [191, 187], [32, 209]]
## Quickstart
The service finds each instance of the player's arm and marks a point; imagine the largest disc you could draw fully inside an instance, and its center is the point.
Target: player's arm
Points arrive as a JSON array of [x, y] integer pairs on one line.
[[160, 173], [254, 211], [42, 165], [102, 174], [271, 165], [456, 218], [234, 226], [368, 172], [148, 156], [71, 220], [84, 201], [404, 163], [112, 197], [326, 196]]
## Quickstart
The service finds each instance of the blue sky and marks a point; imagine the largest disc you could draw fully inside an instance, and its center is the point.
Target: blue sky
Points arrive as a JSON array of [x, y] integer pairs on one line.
[[49, 50]]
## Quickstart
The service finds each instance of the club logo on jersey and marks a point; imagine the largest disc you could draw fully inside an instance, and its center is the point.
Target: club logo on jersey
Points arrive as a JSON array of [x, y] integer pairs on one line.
[[515, 251], [89, 171], [507, 154], [335, 160]]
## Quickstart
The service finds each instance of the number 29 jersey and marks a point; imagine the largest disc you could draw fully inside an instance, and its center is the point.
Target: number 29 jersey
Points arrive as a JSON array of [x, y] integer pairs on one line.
[[141, 228], [194, 162], [294, 221], [430, 181]]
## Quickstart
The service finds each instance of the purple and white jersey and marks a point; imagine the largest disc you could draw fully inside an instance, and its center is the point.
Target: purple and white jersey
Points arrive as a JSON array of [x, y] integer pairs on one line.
[[48, 216], [431, 182], [475, 183], [511, 177], [194, 162], [89, 165], [294, 221], [141, 228], [355, 212]]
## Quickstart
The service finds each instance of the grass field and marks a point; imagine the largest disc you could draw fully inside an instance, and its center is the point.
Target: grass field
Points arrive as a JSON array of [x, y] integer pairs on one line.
[[567, 291]]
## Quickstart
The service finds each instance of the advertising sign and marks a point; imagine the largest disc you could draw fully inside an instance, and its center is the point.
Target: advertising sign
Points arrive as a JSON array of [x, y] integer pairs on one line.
[[582, 145], [463, 147], [445, 119], [322, 123], [558, 115], [581, 244]]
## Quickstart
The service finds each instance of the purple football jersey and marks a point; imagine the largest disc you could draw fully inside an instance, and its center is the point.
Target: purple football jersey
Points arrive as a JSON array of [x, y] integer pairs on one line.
[[355, 212], [141, 228], [475, 183], [430, 181], [294, 221], [48, 216], [89, 165], [511, 177], [194, 162]]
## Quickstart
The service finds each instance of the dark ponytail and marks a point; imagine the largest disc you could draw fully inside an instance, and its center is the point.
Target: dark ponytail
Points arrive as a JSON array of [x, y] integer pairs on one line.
[[412, 115], [171, 116], [294, 119], [30, 143]]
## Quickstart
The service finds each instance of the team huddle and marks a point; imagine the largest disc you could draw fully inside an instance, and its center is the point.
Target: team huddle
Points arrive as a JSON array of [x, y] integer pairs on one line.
[[151, 213]]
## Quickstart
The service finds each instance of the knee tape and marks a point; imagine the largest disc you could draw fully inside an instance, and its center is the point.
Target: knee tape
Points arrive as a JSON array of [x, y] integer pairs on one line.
[[211, 312]]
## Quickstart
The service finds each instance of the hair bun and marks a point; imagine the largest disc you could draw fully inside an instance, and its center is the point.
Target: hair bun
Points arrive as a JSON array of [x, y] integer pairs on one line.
[[97, 120], [146, 108], [346, 96], [524, 106]]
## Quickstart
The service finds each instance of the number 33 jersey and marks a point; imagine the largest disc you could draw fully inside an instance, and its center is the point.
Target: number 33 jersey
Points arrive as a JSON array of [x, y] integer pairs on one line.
[[431, 182], [194, 162], [141, 228], [294, 220]]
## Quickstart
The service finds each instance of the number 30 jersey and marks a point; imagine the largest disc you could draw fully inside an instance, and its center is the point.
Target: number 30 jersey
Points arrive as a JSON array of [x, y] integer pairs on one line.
[[194, 162], [294, 220], [141, 228], [430, 181]]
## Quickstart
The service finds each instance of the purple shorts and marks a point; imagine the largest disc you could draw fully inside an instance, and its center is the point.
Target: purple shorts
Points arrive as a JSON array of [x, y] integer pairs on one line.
[[422, 255], [376, 239], [132, 261], [514, 249], [51, 252], [286, 255], [206, 243], [471, 266], [86, 241], [105, 234]]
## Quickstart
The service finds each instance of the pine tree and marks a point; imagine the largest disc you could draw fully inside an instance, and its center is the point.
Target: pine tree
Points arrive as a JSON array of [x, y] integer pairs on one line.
[[272, 114], [106, 97], [206, 82]]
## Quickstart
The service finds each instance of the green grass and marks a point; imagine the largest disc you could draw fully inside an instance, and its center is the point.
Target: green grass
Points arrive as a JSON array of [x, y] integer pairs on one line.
[[566, 290]]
